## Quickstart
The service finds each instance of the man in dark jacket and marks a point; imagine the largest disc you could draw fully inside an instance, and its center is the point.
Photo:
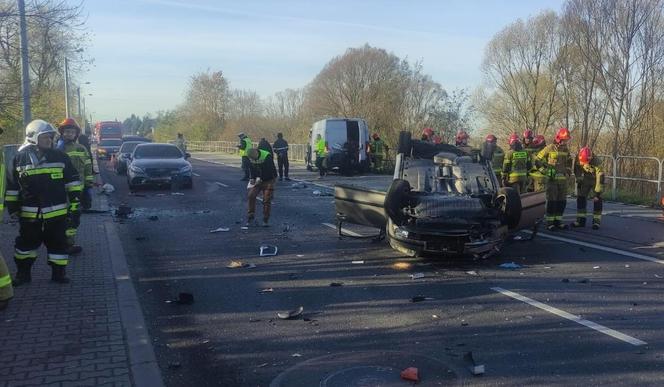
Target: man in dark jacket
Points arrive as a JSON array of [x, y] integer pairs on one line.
[[281, 149], [262, 175]]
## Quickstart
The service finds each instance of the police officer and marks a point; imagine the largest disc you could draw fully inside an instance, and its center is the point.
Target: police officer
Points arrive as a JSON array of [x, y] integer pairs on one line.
[[262, 176], [554, 163], [78, 154], [44, 191], [280, 147], [516, 166], [589, 178], [244, 145], [321, 154], [537, 179], [377, 148], [6, 289]]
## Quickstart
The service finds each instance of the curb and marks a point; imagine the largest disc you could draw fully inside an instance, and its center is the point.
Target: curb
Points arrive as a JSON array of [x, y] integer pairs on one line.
[[142, 361]]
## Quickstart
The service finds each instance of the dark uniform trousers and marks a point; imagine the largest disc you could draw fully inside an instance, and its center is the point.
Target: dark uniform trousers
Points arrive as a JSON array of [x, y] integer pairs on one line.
[[34, 232]]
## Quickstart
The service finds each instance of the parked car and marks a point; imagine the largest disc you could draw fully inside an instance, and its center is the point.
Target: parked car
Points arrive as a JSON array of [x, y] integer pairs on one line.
[[347, 140], [442, 201], [123, 156], [159, 164], [107, 148]]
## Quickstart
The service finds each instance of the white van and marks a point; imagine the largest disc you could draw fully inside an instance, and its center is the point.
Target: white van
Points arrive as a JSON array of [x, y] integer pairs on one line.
[[347, 141]]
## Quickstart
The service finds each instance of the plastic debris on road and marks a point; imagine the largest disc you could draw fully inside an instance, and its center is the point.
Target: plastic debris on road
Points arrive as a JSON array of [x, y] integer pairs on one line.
[[421, 298], [417, 276], [316, 193], [596, 267], [267, 290], [268, 250], [411, 373], [296, 355], [291, 314], [244, 228], [235, 265], [108, 189], [472, 272], [357, 262], [220, 229], [473, 367], [510, 265]]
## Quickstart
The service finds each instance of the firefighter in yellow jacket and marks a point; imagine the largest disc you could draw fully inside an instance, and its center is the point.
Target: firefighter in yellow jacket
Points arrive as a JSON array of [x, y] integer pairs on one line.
[[589, 179], [515, 166], [554, 163], [6, 289], [69, 132]]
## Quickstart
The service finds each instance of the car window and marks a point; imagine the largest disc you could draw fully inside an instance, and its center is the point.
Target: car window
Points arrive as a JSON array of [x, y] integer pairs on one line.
[[157, 152], [128, 147], [110, 142]]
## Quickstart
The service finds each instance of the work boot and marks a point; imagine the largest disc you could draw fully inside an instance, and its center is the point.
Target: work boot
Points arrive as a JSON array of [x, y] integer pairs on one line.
[[58, 274], [23, 274], [266, 223], [551, 227], [595, 226], [74, 250], [281, 178], [580, 222]]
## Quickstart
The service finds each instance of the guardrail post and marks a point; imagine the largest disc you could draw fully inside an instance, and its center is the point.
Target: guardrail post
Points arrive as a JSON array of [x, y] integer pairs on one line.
[[659, 182]]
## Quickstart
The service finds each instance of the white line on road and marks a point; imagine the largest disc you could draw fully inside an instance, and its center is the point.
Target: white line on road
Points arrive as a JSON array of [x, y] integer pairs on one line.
[[221, 184], [345, 230], [600, 247], [599, 328], [196, 174]]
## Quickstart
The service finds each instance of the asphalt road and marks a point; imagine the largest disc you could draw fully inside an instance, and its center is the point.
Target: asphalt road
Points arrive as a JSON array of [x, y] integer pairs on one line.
[[572, 314]]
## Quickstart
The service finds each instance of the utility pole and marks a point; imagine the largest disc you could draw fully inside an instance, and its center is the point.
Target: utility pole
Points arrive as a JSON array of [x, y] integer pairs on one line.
[[78, 96], [66, 87], [25, 70]]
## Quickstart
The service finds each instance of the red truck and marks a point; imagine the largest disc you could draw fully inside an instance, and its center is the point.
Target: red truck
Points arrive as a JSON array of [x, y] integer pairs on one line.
[[108, 135]]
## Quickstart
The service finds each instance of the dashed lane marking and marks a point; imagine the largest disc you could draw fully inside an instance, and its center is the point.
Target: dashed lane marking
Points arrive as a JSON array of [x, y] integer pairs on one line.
[[600, 247], [558, 312], [345, 230], [221, 184]]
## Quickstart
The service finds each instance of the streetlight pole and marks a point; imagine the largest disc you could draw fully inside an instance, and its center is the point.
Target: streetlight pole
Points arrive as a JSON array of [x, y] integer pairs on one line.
[[66, 87], [25, 71]]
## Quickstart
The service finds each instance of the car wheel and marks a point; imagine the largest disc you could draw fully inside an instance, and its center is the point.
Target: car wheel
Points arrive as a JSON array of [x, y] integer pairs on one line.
[[510, 204], [405, 143], [396, 199]]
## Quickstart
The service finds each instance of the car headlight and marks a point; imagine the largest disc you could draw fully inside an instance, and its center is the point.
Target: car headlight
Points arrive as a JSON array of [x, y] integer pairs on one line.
[[136, 169], [401, 232], [101, 150], [185, 169]]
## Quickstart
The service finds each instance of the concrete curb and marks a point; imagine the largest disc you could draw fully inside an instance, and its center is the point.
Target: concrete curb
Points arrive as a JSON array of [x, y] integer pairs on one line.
[[142, 361]]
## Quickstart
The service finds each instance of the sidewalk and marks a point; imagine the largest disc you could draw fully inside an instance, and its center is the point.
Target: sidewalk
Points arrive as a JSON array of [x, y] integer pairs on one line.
[[87, 333]]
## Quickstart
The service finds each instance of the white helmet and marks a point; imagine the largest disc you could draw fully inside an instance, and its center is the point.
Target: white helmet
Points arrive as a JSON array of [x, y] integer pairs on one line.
[[36, 128]]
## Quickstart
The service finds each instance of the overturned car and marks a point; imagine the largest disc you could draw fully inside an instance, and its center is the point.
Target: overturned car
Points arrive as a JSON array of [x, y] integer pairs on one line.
[[443, 200]]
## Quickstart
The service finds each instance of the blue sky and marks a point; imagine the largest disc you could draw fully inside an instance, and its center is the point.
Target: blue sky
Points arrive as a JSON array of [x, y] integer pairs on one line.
[[146, 50]]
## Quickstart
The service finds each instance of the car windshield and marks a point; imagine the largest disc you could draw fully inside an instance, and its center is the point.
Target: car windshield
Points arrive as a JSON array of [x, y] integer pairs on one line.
[[157, 152], [128, 147], [110, 142]]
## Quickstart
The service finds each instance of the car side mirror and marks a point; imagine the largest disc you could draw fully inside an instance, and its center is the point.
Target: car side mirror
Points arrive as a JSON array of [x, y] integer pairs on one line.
[[187, 155]]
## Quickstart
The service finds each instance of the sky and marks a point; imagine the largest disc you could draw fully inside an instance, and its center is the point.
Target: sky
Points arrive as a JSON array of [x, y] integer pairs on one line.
[[145, 51]]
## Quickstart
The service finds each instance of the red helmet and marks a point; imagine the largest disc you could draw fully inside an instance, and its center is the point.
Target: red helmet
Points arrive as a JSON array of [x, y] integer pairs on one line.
[[514, 138], [528, 134], [69, 123], [562, 135], [375, 136], [585, 155], [539, 140], [491, 138], [462, 135], [427, 132]]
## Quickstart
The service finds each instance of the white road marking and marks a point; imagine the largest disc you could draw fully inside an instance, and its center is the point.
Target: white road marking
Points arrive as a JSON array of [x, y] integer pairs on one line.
[[196, 174], [600, 247], [599, 328], [221, 184], [345, 230]]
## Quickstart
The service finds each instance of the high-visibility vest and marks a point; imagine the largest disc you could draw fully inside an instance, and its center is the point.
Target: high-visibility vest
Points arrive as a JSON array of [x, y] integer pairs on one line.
[[515, 166], [554, 156], [320, 148], [378, 147], [247, 145], [262, 155]]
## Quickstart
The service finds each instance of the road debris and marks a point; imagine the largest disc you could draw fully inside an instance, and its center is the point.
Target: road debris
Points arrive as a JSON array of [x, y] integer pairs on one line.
[[235, 265], [596, 267], [220, 229], [267, 290], [298, 185], [296, 355], [517, 238], [336, 284], [510, 265], [473, 367], [357, 262], [268, 250], [300, 255], [123, 211], [435, 316], [317, 193], [291, 314], [287, 227], [262, 365], [107, 189], [417, 276], [472, 272], [153, 218], [177, 193], [421, 298], [411, 374]]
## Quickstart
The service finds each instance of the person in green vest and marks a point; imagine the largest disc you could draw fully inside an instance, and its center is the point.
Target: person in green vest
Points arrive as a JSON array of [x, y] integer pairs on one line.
[[321, 154], [263, 174], [244, 146], [78, 154], [589, 178], [516, 166], [6, 289], [536, 178], [378, 150]]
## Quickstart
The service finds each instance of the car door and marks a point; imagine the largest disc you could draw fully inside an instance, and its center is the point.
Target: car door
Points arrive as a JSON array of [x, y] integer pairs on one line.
[[359, 205]]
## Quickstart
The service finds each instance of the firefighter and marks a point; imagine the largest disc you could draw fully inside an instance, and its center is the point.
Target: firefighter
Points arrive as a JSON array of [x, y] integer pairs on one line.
[[427, 135], [377, 148], [528, 137], [589, 178], [78, 154], [44, 191], [6, 289], [516, 166], [281, 149], [244, 145], [554, 163], [461, 141], [321, 154], [536, 177], [262, 174], [491, 151]]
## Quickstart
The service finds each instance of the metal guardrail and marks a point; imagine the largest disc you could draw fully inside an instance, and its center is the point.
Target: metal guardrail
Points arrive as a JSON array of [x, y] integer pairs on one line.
[[616, 165]]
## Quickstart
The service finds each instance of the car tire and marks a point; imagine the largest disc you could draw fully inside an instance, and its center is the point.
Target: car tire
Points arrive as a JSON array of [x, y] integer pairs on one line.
[[510, 206], [405, 143], [396, 198]]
